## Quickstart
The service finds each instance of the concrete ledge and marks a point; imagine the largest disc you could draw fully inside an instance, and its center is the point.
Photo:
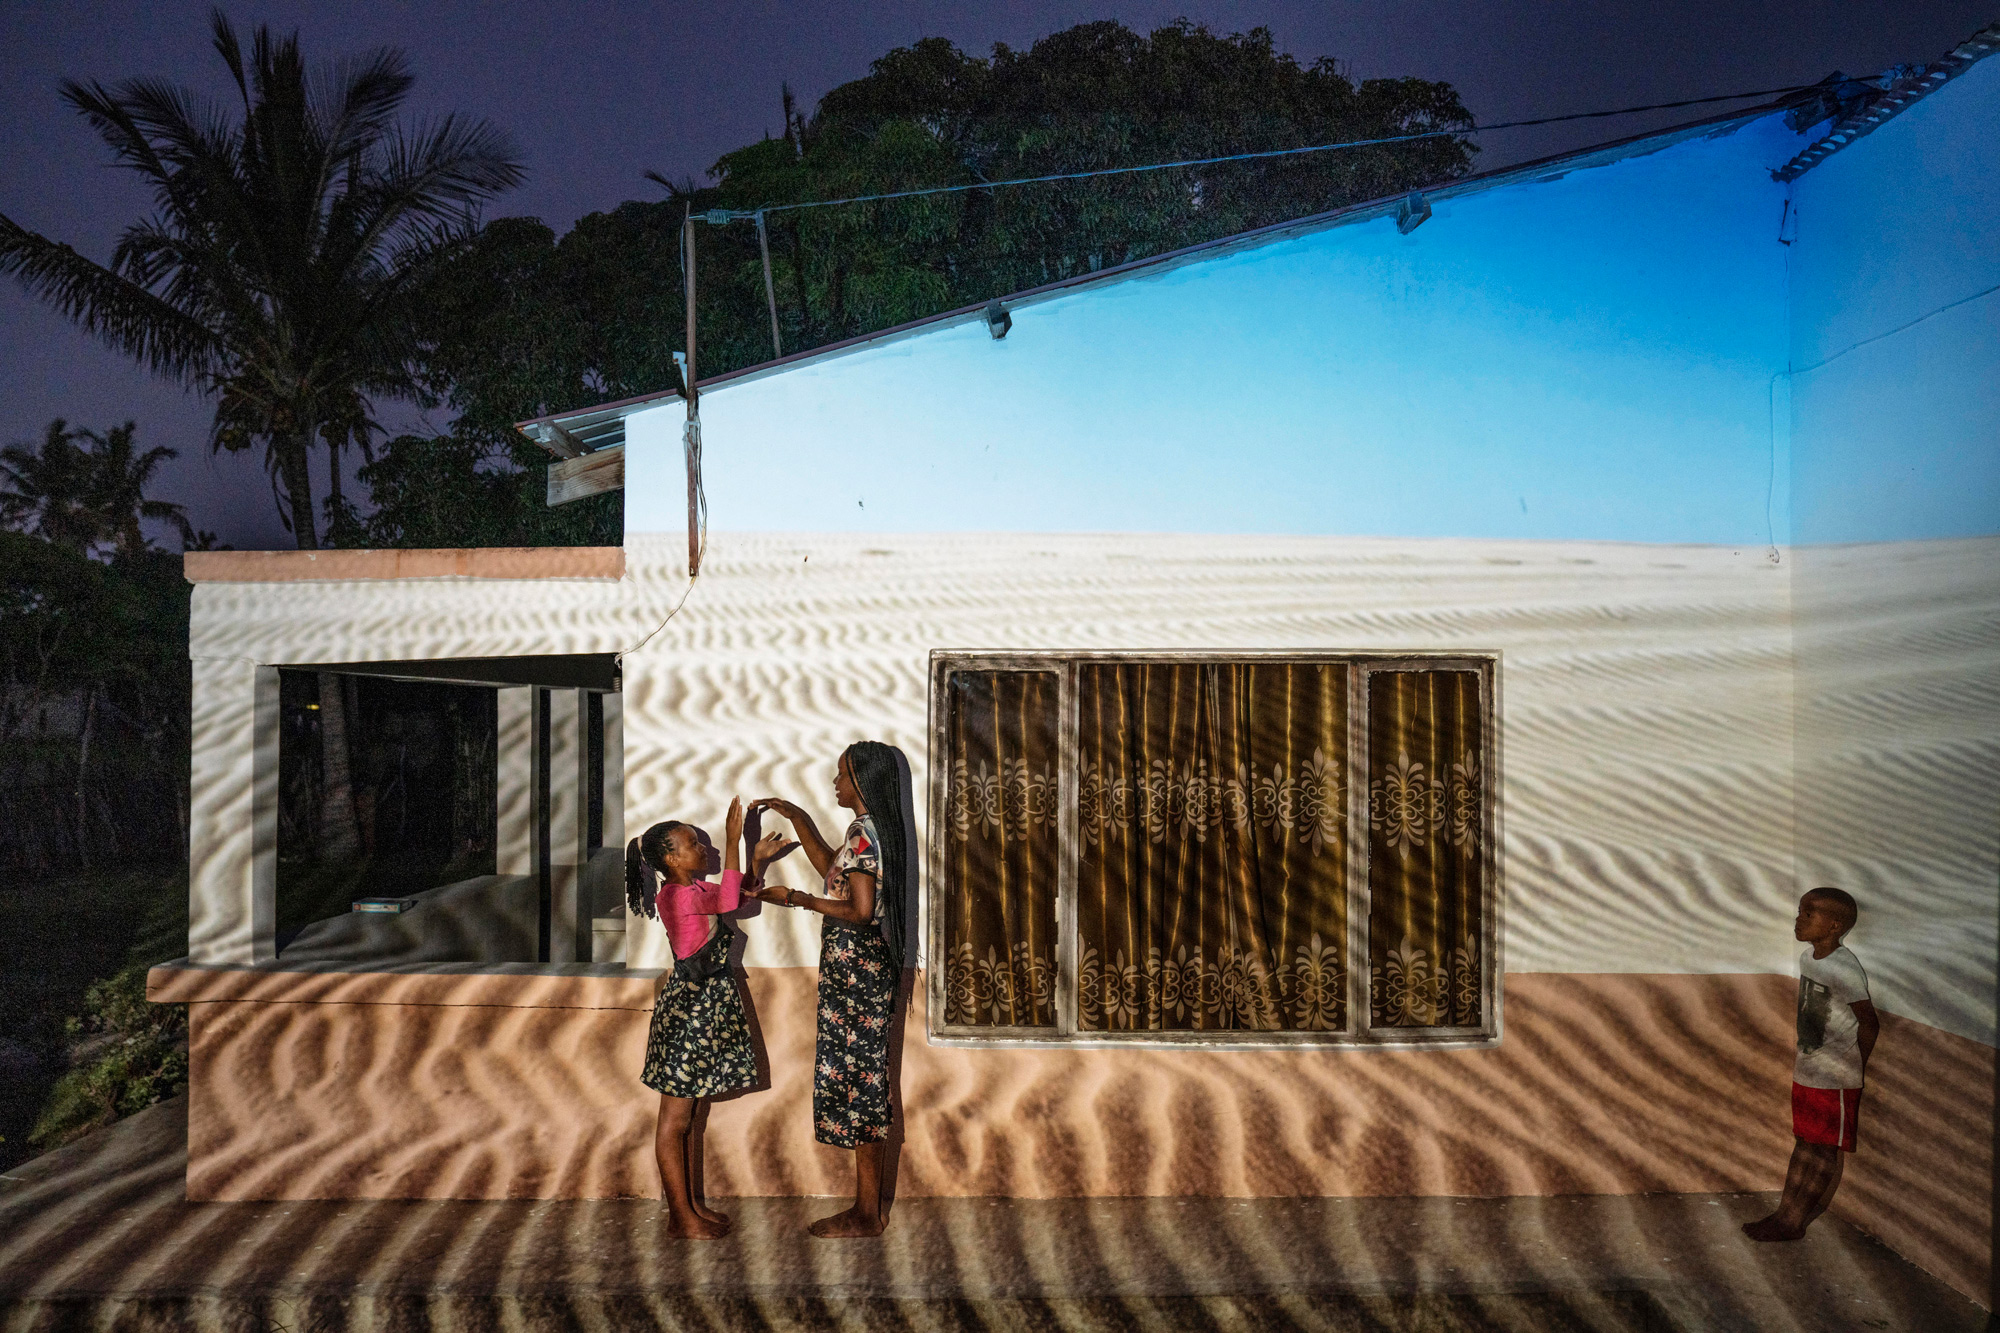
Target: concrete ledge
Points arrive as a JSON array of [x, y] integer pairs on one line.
[[487, 985], [511, 562]]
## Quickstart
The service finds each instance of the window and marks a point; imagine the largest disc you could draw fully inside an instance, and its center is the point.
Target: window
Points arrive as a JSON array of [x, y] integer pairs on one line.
[[1248, 849]]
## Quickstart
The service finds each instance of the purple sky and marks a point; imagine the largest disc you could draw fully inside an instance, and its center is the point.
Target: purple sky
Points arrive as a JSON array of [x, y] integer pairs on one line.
[[597, 94]]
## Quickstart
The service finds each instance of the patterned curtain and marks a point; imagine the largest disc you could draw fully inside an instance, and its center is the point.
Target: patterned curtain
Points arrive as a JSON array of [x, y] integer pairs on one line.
[[1212, 875], [1425, 869], [1001, 849]]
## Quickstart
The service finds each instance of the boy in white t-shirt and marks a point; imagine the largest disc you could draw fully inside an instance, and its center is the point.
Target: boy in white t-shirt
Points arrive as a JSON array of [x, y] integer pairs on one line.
[[1837, 1030]]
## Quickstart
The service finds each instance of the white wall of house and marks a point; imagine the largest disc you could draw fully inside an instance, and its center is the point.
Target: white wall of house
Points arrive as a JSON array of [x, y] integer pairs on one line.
[[1895, 402], [1540, 423]]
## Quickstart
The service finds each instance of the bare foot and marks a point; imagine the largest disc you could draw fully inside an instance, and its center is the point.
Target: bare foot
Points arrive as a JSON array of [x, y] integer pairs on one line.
[[1770, 1229], [846, 1225], [708, 1214], [695, 1227]]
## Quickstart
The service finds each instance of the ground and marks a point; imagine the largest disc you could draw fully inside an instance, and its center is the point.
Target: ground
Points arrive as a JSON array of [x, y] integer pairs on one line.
[[99, 1235]]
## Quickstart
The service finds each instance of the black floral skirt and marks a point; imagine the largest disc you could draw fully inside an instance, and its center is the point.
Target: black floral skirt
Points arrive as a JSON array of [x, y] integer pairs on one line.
[[699, 1045], [857, 997]]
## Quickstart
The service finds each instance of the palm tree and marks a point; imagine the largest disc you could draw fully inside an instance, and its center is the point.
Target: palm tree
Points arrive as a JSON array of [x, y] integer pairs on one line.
[[119, 477], [78, 489], [281, 272], [49, 489], [291, 248]]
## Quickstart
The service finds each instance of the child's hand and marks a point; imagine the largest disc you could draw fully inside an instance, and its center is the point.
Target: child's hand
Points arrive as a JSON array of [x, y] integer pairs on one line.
[[783, 809], [769, 848], [735, 819]]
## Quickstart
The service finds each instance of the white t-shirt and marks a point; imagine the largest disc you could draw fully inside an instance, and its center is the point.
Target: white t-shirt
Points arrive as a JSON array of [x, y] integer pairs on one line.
[[1829, 1033]]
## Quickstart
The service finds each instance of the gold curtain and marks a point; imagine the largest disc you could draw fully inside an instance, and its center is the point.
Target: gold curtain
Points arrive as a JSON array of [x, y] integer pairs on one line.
[[1001, 849], [1212, 869], [1425, 868]]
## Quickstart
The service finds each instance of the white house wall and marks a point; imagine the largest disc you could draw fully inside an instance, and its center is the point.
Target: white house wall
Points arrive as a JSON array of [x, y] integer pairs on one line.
[[1541, 423], [1895, 400]]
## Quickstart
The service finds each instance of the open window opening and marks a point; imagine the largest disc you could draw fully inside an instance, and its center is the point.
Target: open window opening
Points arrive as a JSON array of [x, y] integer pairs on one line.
[[457, 810]]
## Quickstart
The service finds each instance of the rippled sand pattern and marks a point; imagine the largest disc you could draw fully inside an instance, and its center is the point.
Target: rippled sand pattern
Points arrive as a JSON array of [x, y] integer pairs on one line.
[[97, 1236], [1899, 764], [1646, 695], [485, 1085]]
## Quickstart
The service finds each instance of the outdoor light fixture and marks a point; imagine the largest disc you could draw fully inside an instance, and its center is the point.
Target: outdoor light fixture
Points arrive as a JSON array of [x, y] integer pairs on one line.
[[1410, 216], [998, 321]]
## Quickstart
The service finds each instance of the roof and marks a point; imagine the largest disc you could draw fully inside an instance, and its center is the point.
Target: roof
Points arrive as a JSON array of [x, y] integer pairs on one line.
[[570, 434], [1859, 107]]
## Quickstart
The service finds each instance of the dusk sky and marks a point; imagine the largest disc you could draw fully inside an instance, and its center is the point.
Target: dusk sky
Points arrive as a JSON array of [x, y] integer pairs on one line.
[[595, 95]]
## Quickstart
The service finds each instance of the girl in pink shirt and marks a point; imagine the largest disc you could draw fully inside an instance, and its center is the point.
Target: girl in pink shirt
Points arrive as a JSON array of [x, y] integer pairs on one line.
[[699, 1043]]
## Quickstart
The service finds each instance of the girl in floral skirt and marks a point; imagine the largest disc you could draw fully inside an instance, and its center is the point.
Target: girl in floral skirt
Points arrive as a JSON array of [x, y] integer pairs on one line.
[[860, 968], [699, 1043]]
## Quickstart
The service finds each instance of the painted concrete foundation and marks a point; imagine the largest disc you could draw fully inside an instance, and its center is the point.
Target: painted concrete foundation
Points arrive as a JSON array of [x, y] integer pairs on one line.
[[498, 1085]]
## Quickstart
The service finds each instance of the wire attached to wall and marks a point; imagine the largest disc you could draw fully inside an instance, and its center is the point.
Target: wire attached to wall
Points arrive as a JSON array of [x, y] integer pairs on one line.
[[691, 442], [716, 215]]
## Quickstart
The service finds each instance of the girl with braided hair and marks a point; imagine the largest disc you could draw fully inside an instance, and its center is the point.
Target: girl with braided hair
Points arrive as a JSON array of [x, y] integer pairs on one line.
[[860, 967], [699, 1042]]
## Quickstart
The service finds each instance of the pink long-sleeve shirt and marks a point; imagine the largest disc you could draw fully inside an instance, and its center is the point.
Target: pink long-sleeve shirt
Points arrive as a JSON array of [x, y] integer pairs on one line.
[[685, 909]]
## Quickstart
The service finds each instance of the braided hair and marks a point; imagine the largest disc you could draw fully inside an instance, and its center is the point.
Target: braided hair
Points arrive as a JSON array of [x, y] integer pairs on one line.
[[645, 862], [878, 777]]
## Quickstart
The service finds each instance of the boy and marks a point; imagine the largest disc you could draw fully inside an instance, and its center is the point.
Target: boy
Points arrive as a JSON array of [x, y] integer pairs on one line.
[[1837, 1030]]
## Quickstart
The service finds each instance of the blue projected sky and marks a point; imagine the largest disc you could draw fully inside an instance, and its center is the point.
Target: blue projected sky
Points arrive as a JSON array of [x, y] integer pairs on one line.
[[1588, 357]]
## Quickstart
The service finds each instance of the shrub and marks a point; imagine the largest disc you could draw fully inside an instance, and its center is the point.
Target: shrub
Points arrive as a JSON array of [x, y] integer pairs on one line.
[[129, 1053]]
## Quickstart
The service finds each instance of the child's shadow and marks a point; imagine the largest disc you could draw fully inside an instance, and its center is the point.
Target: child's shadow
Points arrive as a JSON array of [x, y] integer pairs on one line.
[[749, 909]]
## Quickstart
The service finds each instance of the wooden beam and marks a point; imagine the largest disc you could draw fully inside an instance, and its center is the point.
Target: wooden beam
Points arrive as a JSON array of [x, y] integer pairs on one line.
[[592, 474], [557, 440]]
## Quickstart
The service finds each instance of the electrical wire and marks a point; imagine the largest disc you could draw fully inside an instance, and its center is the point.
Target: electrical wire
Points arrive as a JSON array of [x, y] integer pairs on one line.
[[1267, 153], [701, 555], [715, 215]]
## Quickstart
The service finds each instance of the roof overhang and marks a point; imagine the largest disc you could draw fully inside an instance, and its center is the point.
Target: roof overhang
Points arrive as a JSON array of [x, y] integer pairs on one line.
[[1897, 95]]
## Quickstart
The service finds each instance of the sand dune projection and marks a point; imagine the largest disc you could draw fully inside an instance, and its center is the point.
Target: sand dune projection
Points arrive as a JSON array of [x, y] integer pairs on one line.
[[1648, 732]]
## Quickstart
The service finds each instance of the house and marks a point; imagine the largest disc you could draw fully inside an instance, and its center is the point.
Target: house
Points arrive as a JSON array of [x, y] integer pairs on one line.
[[1536, 584]]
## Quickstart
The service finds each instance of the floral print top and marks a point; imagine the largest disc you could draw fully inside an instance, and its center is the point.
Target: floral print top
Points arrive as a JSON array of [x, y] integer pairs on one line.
[[861, 852]]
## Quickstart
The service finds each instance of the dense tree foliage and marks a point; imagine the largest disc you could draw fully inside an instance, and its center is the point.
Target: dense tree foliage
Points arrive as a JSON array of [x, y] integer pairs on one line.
[[532, 324], [82, 490], [289, 250]]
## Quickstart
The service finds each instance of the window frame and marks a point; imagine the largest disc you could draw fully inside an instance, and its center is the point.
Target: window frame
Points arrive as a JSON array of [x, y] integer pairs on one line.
[[1358, 1033]]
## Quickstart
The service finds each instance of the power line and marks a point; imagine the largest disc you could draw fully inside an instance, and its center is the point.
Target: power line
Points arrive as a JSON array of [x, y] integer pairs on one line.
[[724, 215]]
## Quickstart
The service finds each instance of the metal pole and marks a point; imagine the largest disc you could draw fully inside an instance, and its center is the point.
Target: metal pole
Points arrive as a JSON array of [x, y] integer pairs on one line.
[[687, 271], [770, 292], [692, 432]]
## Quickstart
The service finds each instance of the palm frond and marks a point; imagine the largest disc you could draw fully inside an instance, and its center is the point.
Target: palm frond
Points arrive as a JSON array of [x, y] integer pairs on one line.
[[113, 309]]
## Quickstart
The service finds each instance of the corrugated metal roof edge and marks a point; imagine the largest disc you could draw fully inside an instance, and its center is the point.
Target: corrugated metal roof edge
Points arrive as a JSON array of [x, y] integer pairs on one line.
[[1894, 101], [1547, 168]]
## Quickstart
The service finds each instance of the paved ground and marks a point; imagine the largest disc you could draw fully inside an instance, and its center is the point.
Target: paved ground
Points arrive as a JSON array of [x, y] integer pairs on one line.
[[98, 1236]]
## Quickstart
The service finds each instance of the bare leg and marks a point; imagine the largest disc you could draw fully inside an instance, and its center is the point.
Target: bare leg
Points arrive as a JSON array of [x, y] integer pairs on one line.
[[1809, 1184], [700, 1206], [865, 1218], [670, 1146], [1825, 1199]]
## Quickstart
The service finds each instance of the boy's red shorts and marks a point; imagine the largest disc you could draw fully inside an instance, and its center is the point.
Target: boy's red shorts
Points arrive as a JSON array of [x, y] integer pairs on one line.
[[1826, 1115]]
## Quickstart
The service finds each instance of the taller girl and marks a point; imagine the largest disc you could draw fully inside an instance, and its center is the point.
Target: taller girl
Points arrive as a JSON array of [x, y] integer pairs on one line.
[[860, 967]]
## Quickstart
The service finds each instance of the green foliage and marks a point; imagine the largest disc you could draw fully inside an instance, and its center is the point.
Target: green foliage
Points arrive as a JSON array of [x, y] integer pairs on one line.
[[133, 1053], [527, 324], [79, 489], [107, 643], [462, 490], [290, 247]]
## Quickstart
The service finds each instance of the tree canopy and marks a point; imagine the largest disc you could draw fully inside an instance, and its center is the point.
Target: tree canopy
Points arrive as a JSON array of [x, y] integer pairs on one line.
[[531, 323], [290, 249]]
